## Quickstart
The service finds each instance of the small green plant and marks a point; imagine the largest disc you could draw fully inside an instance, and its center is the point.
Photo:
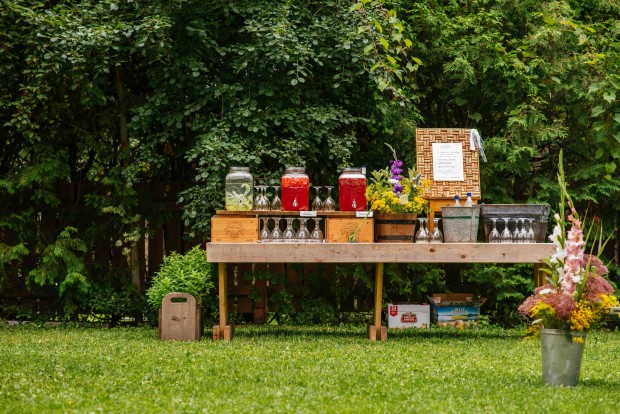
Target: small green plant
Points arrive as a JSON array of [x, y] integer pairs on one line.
[[188, 273]]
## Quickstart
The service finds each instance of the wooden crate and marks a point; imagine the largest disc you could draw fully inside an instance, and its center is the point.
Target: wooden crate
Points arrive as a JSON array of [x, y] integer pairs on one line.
[[338, 229], [234, 229]]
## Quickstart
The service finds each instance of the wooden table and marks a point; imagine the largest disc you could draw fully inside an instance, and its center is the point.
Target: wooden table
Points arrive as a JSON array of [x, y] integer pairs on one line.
[[379, 253]]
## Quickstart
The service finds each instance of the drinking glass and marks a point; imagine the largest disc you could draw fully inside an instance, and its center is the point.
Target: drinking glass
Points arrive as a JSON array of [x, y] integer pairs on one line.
[[516, 235], [264, 233], [494, 236], [276, 203], [302, 234], [329, 204], [276, 233], [531, 237], [288, 233], [317, 234], [422, 235], [523, 232], [257, 197], [262, 204], [506, 235], [317, 204], [436, 236]]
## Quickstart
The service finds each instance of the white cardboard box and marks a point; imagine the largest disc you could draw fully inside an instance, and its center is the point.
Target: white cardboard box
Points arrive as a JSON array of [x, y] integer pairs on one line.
[[408, 316]]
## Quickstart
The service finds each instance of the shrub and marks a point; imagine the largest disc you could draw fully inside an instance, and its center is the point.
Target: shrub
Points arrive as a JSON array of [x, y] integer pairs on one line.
[[188, 273]]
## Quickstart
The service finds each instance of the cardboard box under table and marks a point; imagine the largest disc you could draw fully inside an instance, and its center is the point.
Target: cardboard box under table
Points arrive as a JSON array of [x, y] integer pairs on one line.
[[408, 316], [457, 309]]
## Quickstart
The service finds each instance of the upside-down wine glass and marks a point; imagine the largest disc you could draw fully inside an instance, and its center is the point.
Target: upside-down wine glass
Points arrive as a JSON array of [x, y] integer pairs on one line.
[[506, 235], [317, 204], [422, 235], [276, 233], [276, 203], [288, 233], [531, 237], [494, 236], [329, 204], [523, 232], [302, 234], [436, 236], [264, 233], [317, 234]]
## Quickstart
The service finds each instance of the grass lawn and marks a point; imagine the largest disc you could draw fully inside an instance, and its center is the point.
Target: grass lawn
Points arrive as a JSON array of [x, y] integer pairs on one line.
[[295, 369]]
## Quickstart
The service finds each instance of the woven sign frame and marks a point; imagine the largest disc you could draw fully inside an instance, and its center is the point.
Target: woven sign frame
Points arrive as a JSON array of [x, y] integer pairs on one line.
[[425, 138]]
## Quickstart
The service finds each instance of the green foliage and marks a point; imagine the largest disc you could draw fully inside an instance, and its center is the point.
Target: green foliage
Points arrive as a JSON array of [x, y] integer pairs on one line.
[[186, 273], [505, 288]]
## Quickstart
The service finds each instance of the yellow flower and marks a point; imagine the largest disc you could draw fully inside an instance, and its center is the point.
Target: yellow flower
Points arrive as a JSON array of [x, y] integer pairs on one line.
[[582, 317]]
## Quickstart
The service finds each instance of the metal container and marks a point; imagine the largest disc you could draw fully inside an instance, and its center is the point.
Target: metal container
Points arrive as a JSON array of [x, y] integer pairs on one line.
[[538, 213], [460, 224], [561, 356]]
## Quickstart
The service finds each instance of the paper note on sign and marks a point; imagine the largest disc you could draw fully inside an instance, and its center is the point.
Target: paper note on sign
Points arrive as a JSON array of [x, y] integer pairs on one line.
[[448, 162]]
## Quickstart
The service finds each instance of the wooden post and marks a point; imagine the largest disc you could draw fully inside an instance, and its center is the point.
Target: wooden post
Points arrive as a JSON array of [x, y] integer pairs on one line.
[[376, 331], [223, 330], [539, 275]]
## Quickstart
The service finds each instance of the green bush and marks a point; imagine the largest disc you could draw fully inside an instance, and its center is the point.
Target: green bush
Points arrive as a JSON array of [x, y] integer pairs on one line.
[[188, 273]]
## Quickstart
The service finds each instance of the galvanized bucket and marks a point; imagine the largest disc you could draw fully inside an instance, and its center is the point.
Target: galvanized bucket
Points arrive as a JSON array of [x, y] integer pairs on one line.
[[460, 224], [561, 356]]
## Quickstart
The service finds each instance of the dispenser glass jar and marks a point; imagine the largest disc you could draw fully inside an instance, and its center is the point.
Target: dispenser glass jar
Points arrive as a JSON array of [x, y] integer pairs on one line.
[[295, 189], [238, 188]]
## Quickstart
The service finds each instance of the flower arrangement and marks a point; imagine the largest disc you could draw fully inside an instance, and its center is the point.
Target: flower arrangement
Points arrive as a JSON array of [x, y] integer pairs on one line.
[[391, 192], [577, 295]]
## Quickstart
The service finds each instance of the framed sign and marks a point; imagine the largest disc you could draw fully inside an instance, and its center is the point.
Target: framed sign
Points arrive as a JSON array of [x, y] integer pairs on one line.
[[445, 157]]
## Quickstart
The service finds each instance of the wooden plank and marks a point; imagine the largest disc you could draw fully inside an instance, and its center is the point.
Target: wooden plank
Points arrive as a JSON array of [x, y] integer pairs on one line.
[[378, 294], [378, 252]]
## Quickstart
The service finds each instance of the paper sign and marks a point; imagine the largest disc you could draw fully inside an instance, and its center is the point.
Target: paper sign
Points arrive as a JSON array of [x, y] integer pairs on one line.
[[307, 214], [362, 214], [448, 162]]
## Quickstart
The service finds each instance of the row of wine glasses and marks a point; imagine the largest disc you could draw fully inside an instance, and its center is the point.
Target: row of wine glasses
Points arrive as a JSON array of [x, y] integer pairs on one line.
[[303, 234], [424, 235], [328, 205], [262, 202], [519, 235]]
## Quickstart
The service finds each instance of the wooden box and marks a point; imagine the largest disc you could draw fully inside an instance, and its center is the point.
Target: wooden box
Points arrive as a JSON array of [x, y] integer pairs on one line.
[[180, 317], [338, 229], [234, 229]]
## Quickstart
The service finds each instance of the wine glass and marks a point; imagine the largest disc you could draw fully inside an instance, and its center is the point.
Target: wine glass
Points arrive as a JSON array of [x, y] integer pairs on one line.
[[317, 204], [531, 238], [276, 233], [262, 203], [264, 233], [302, 234], [276, 203], [257, 197], [516, 235], [422, 235], [317, 234], [523, 232], [506, 236], [329, 204], [288, 233], [436, 236], [494, 236]]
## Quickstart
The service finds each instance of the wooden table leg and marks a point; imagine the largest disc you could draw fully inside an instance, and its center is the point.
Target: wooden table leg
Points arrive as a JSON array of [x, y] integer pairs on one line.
[[223, 330], [376, 331], [540, 277]]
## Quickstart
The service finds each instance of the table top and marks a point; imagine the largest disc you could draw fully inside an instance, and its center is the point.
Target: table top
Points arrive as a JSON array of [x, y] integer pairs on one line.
[[378, 252]]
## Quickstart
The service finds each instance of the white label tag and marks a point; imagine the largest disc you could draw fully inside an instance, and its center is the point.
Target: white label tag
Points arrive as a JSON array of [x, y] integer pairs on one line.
[[362, 214], [307, 214]]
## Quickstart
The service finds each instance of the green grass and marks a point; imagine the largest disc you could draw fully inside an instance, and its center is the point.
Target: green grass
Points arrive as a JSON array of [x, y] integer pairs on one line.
[[285, 369]]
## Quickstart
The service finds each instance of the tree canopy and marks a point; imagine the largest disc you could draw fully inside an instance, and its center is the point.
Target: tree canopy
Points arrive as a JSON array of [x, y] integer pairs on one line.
[[107, 98]]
